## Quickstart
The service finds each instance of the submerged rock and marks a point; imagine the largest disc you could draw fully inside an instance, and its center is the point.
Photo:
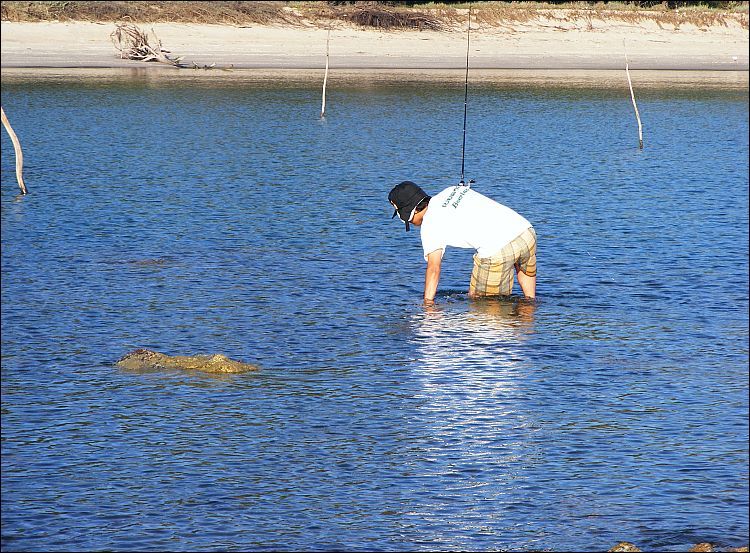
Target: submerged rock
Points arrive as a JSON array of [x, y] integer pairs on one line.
[[624, 547], [703, 547], [141, 359]]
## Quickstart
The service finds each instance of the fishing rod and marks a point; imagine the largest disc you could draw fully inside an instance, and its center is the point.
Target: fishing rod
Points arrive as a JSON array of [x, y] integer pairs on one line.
[[466, 102]]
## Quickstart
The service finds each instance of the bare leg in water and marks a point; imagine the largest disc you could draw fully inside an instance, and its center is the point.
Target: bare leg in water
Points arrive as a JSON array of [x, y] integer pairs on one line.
[[527, 283]]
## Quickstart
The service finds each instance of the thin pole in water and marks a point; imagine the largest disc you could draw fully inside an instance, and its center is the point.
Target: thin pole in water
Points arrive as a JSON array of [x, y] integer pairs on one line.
[[632, 97], [325, 79], [466, 98], [17, 149]]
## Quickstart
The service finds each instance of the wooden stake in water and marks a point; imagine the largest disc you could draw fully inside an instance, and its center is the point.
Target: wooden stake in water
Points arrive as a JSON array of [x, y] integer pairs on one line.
[[325, 78], [17, 149], [632, 97]]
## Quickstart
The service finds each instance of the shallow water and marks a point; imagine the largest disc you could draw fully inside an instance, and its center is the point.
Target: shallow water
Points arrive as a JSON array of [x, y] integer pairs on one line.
[[222, 215]]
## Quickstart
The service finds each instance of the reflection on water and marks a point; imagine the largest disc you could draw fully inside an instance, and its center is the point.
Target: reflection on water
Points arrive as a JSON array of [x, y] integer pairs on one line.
[[198, 215], [485, 332], [470, 355], [527, 79]]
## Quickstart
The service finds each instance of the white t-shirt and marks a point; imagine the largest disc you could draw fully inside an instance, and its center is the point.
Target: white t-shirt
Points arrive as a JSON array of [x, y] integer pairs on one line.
[[464, 218]]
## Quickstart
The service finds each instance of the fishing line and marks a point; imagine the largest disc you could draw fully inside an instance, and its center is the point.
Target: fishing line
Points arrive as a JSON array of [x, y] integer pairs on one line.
[[466, 102]]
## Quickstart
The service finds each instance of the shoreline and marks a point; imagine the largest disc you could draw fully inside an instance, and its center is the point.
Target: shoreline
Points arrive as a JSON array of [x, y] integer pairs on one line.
[[373, 77], [531, 45]]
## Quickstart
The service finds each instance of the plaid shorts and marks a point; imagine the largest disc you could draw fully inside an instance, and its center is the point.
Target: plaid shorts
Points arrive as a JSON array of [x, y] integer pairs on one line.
[[493, 276]]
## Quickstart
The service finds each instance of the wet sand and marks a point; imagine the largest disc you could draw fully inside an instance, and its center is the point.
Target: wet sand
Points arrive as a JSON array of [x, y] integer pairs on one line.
[[363, 78]]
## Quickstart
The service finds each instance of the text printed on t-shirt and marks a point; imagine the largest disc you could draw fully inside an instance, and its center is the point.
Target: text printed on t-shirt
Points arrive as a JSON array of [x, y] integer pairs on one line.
[[453, 193]]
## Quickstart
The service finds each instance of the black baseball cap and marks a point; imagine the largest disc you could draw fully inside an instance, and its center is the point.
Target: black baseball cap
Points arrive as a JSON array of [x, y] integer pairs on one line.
[[405, 197]]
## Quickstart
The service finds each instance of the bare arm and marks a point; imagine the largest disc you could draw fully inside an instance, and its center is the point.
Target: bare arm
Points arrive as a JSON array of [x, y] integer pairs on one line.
[[432, 275]]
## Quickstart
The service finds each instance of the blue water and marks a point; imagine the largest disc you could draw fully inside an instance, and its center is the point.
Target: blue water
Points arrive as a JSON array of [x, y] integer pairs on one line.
[[221, 215]]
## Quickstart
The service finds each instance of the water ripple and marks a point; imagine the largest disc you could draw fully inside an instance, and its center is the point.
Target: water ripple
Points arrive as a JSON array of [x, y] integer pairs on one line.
[[614, 407]]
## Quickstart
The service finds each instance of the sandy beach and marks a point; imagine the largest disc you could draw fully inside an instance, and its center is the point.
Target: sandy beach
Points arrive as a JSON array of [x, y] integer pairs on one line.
[[562, 43]]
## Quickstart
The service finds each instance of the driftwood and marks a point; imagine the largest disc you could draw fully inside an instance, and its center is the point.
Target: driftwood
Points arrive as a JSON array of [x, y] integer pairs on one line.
[[325, 79], [17, 149], [133, 44]]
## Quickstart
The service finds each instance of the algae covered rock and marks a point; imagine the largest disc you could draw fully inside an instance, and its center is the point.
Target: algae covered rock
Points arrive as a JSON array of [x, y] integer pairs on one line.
[[703, 547], [143, 359], [624, 547]]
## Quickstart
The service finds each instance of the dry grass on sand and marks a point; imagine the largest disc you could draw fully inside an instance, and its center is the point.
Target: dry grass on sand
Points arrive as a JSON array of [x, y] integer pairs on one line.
[[383, 15]]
